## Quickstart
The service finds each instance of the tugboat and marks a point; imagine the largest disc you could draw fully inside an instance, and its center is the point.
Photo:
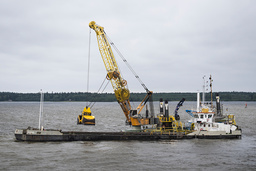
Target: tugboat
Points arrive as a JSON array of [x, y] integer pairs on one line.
[[86, 118], [208, 120]]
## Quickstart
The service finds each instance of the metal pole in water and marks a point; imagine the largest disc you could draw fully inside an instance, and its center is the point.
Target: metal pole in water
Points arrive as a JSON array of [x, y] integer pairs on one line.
[[41, 109]]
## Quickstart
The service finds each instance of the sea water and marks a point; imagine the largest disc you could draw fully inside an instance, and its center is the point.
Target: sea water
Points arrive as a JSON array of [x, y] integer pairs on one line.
[[195, 154]]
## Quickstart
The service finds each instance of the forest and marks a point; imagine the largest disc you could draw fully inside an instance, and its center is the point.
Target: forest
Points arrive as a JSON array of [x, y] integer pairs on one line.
[[109, 97]]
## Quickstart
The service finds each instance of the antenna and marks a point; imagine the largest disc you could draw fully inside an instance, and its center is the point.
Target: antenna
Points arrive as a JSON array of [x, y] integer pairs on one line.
[[203, 98], [210, 78]]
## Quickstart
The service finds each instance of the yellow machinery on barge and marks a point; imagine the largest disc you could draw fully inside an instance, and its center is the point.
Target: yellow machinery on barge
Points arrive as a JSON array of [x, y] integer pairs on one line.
[[119, 84], [163, 122], [162, 127]]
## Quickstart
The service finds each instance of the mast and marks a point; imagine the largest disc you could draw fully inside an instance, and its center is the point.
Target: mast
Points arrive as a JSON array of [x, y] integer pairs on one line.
[[203, 98], [211, 89], [41, 110]]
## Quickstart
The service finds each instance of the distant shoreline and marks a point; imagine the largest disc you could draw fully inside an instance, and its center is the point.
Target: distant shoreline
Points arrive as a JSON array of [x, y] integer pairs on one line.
[[110, 97]]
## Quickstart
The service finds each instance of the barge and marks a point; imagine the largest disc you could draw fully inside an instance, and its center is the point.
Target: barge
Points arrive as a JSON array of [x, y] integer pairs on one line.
[[206, 123], [36, 135]]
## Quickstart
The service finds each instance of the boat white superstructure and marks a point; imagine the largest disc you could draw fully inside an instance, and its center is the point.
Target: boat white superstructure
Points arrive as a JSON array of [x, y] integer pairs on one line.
[[210, 120]]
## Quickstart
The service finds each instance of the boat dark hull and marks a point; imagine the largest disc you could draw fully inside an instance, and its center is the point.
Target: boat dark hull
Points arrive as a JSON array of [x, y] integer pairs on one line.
[[115, 136]]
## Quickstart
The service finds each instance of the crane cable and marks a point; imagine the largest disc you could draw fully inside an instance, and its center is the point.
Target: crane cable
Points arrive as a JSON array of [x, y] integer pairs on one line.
[[93, 103], [134, 73], [89, 55], [88, 63], [128, 65]]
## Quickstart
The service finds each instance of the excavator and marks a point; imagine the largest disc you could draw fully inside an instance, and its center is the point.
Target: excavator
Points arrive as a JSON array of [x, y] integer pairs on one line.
[[119, 84], [177, 116]]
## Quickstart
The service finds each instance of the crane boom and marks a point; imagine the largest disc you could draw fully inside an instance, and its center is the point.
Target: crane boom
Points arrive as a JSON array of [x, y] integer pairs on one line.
[[113, 74], [118, 83]]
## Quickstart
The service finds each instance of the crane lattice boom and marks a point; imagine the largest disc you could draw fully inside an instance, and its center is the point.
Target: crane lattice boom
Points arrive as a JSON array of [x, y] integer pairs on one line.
[[113, 74]]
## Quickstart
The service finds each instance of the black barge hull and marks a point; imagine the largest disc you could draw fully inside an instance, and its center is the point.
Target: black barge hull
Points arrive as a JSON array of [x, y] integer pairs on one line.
[[113, 136]]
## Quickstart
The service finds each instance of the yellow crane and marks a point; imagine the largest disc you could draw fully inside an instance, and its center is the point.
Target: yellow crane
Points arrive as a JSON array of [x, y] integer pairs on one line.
[[119, 84]]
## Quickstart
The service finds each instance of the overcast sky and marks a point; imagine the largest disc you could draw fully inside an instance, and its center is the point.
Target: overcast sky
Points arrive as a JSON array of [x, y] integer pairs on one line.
[[170, 44]]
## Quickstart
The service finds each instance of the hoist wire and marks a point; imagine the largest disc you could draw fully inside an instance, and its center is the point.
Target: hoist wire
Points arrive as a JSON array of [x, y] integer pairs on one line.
[[128, 65], [119, 67], [89, 54], [93, 103], [97, 91], [88, 75]]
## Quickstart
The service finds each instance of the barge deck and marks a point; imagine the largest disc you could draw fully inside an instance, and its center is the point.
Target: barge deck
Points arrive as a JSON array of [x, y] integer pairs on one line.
[[58, 135]]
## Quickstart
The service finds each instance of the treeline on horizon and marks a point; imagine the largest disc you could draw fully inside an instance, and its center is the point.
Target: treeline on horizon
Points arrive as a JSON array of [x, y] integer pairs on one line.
[[110, 97]]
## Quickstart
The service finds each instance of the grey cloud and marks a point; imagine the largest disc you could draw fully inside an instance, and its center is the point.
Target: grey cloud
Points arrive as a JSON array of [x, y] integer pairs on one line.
[[171, 45]]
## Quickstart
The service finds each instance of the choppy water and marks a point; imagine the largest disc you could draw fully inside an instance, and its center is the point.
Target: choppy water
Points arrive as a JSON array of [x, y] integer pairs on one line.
[[119, 155]]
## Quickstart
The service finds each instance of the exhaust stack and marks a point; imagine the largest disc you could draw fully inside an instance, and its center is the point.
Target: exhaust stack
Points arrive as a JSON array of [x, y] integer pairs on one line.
[[161, 106], [198, 102], [218, 105], [166, 110]]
